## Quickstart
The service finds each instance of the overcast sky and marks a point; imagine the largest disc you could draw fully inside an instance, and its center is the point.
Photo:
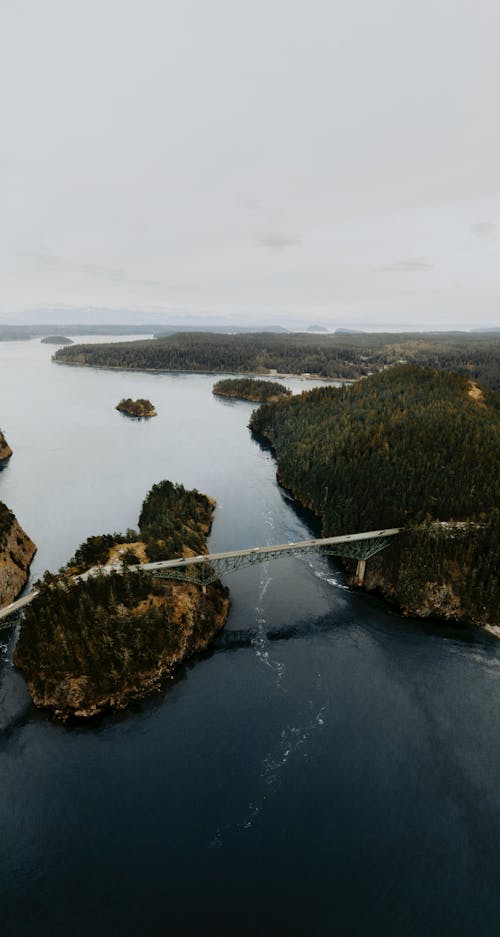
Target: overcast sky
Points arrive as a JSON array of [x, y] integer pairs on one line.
[[332, 161]]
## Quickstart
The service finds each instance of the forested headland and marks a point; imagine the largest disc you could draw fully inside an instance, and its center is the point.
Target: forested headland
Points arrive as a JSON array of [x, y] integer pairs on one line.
[[247, 388], [476, 355], [340, 356], [95, 644], [410, 447]]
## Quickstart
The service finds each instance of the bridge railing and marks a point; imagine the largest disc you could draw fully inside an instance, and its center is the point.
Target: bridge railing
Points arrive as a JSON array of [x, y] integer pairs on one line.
[[204, 569], [207, 569]]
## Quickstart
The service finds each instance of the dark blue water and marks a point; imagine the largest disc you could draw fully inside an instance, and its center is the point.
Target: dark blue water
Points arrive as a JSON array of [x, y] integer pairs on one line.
[[329, 768]]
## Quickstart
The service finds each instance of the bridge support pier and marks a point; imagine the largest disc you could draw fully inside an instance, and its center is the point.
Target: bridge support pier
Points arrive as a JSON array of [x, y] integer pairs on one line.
[[360, 571]]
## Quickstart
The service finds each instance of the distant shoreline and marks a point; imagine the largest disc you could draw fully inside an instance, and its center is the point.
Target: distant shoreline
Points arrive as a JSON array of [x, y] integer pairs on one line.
[[282, 377]]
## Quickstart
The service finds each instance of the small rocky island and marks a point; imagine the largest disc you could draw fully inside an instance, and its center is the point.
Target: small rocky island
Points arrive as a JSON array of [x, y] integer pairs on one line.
[[56, 340], [5, 450], [138, 408], [246, 388], [16, 553], [92, 645]]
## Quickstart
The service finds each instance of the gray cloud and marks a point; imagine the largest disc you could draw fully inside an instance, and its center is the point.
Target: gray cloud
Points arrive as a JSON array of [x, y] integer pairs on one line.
[[51, 260], [7, 165], [174, 171], [278, 241], [410, 265], [48, 259], [485, 230]]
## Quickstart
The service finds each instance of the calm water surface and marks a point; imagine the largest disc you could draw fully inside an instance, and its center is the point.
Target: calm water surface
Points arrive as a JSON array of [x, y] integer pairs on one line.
[[329, 768]]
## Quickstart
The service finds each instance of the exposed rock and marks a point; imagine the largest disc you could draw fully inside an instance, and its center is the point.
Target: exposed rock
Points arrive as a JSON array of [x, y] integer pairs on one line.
[[431, 600], [16, 553], [475, 393], [5, 450], [420, 574]]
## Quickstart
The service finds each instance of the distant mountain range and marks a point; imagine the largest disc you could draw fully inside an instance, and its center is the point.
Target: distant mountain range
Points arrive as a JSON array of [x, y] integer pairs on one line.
[[102, 320], [94, 320]]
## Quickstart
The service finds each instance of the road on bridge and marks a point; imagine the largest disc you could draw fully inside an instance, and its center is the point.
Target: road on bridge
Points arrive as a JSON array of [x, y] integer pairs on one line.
[[180, 562]]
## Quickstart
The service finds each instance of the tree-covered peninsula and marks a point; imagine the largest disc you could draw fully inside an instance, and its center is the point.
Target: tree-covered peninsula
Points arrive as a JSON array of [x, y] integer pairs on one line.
[[5, 450], [138, 408], [247, 388], [16, 553], [412, 448], [343, 356], [87, 645]]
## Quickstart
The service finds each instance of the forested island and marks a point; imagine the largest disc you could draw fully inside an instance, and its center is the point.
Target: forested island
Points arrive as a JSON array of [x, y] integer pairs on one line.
[[414, 448], [139, 408], [56, 340], [16, 553], [343, 356], [5, 450], [86, 646], [247, 388]]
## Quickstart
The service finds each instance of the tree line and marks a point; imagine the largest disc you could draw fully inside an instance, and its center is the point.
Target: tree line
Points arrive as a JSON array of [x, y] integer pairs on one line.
[[248, 388], [409, 448], [105, 636], [329, 356]]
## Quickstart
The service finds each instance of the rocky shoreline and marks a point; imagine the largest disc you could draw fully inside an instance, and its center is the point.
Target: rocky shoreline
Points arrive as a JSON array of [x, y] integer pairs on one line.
[[385, 574], [265, 372], [70, 696], [413, 448]]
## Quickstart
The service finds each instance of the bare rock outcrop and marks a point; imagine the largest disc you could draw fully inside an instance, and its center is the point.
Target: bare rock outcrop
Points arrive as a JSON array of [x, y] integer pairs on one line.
[[5, 450], [16, 553]]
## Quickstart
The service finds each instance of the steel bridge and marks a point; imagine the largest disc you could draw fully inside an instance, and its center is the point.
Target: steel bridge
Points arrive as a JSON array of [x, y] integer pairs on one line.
[[202, 570], [207, 568]]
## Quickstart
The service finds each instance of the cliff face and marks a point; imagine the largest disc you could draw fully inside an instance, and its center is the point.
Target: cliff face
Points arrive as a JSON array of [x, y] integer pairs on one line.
[[16, 553], [430, 598], [5, 450], [433, 571]]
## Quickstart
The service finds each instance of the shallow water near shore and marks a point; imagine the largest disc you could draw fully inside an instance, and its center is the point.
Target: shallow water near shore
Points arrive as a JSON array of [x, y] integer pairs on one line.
[[328, 768]]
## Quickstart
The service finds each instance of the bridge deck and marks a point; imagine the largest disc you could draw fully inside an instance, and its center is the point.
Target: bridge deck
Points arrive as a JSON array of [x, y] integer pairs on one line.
[[297, 546], [289, 549]]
